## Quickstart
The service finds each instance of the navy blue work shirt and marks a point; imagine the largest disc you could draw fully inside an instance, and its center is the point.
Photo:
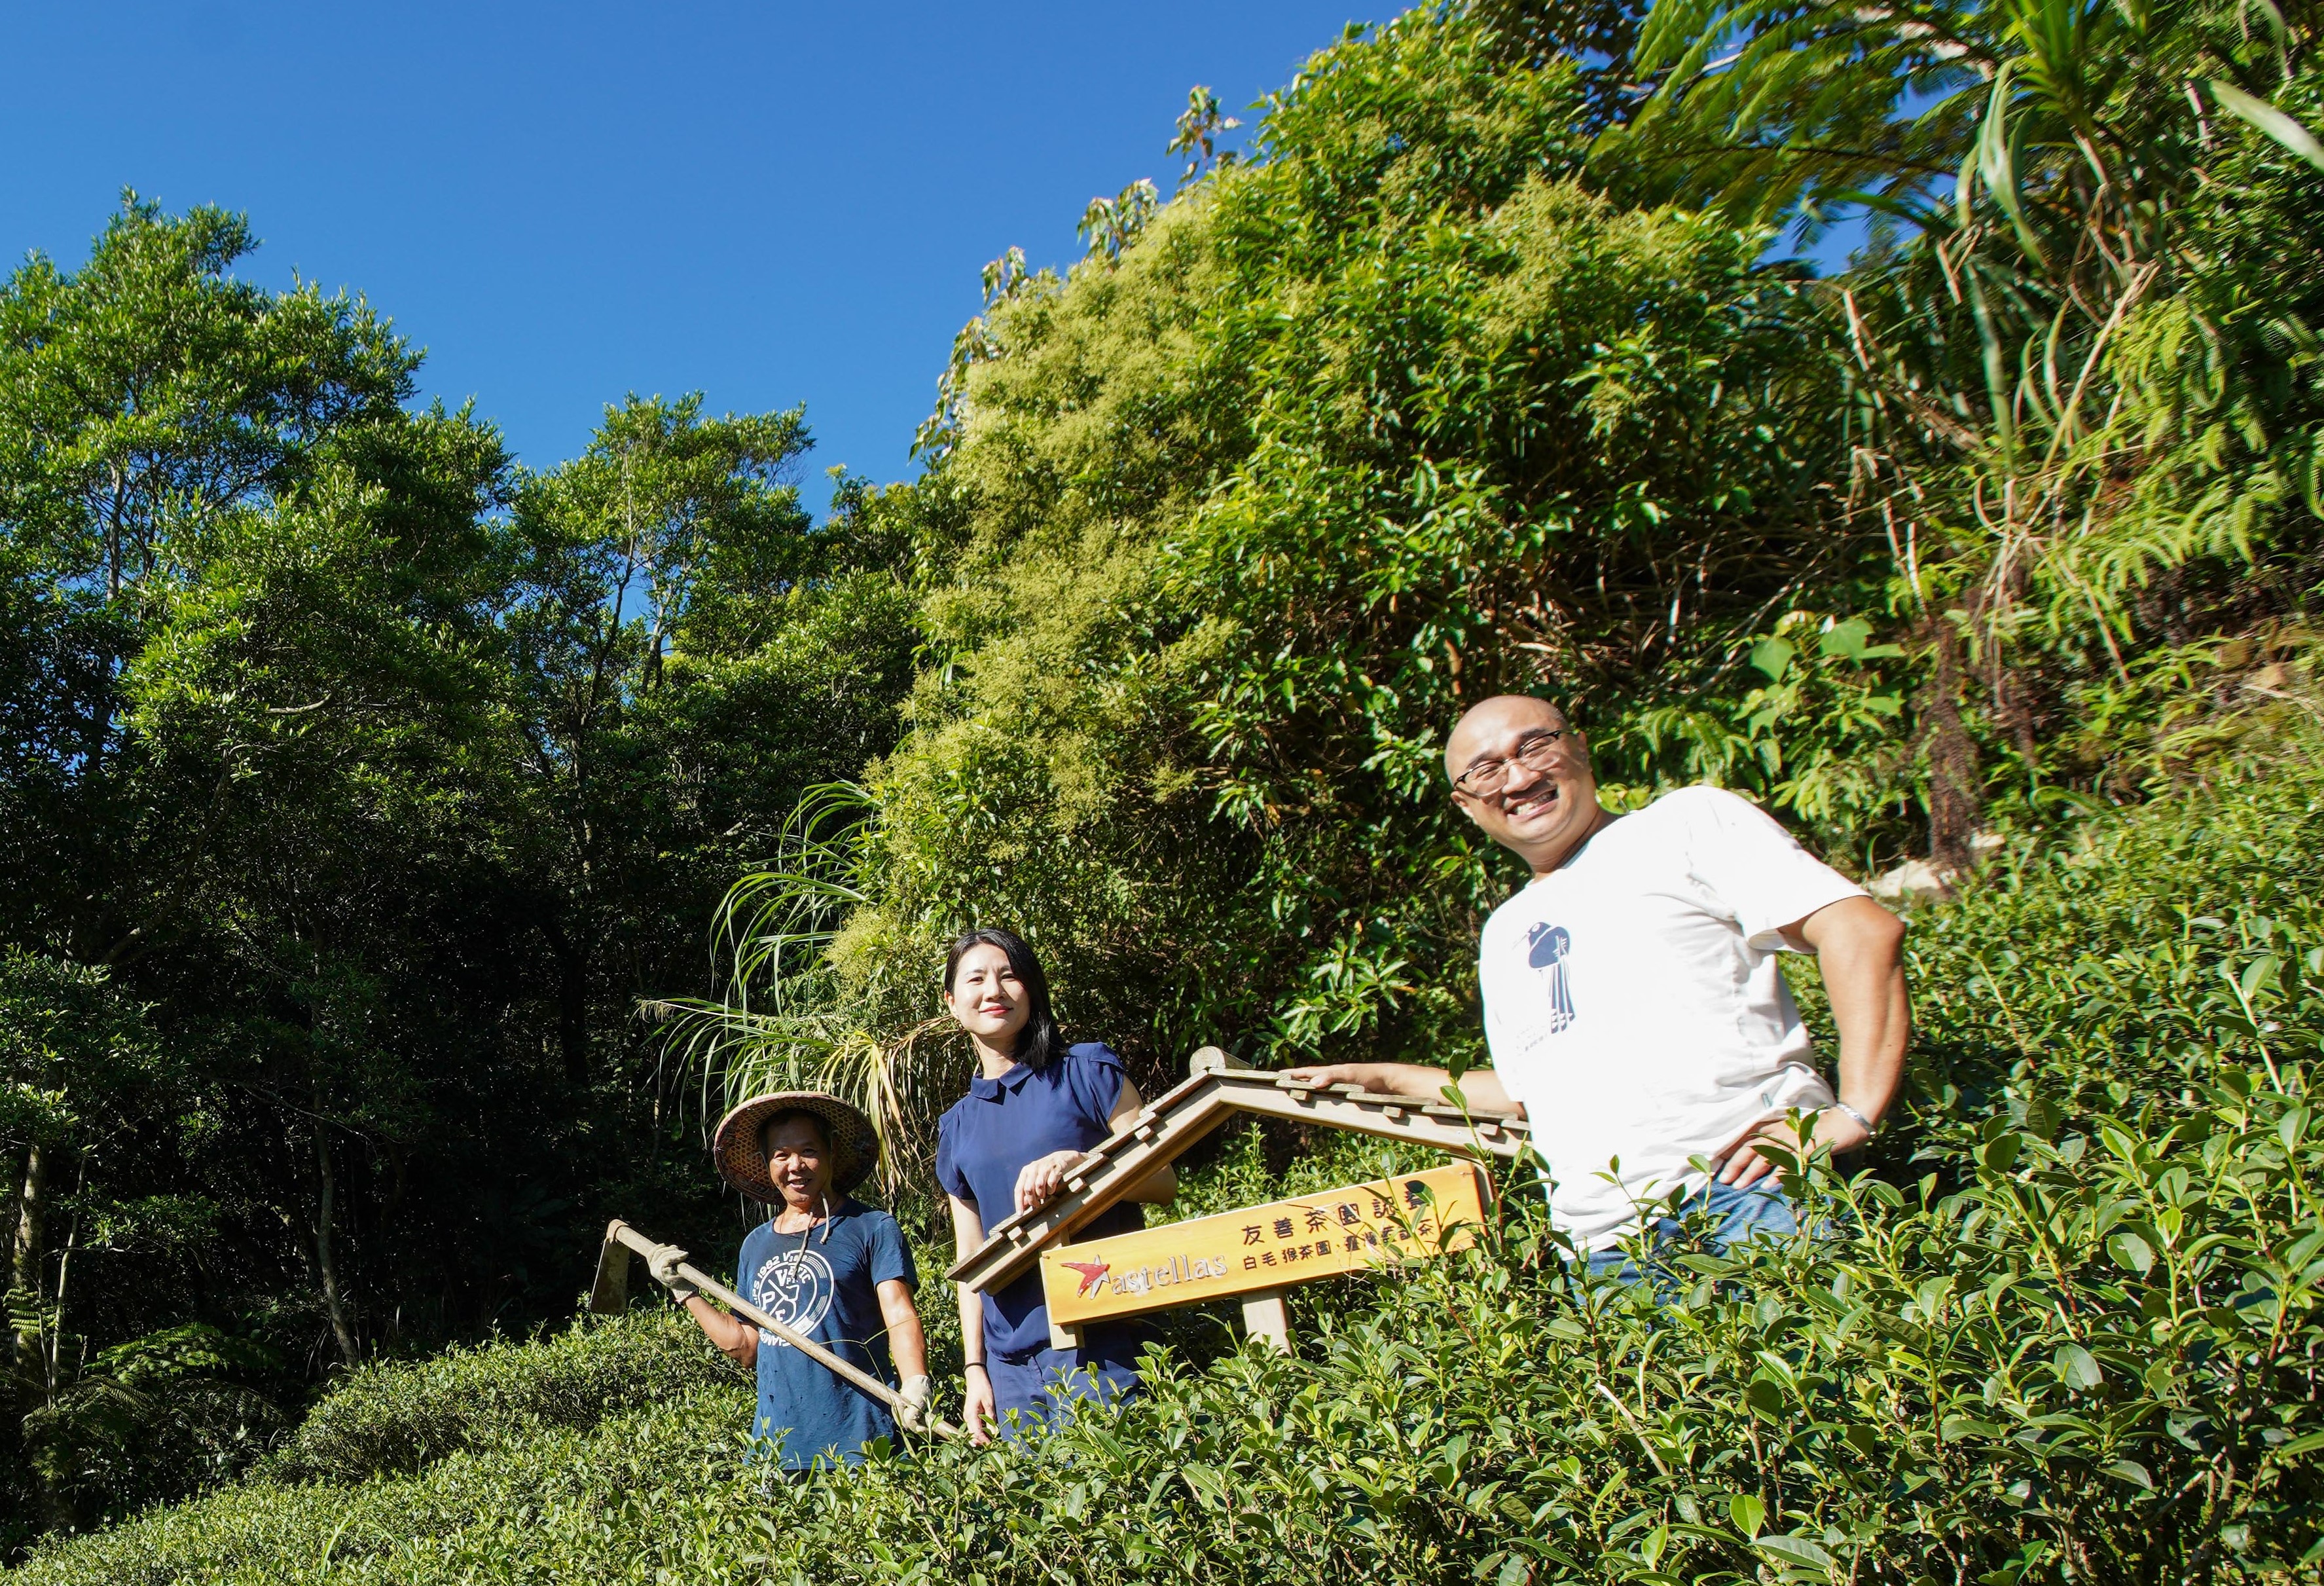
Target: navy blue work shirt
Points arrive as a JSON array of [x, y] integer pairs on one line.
[[824, 1284], [989, 1135]]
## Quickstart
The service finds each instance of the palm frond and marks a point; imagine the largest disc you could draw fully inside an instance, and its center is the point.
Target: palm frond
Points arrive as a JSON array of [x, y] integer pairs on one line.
[[783, 1018]]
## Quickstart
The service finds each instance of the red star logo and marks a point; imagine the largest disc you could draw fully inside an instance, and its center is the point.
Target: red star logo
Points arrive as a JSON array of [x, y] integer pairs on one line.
[[1093, 1273]]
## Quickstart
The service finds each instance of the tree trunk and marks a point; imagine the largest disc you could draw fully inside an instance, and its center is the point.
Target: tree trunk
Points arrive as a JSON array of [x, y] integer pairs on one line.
[[1954, 796], [24, 1275], [31, 1204], [326, 1262], [64, 1279]]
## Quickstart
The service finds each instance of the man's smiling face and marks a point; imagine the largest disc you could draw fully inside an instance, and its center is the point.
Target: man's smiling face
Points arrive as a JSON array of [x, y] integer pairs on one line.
[[1541, 813]]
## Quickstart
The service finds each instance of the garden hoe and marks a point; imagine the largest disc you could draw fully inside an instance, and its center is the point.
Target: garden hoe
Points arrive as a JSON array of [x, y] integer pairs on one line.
[[609, 1296]]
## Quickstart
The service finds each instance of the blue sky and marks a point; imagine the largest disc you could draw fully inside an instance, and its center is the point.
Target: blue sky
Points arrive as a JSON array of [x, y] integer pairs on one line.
[[771, 204]]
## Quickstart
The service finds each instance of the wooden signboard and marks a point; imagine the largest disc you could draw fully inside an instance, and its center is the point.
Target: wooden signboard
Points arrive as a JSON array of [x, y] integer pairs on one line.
[[1217, 1090], [1264, 1249]]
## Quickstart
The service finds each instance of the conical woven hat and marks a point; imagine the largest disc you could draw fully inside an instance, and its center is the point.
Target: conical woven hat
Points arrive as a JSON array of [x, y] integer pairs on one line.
[[742, 1160]]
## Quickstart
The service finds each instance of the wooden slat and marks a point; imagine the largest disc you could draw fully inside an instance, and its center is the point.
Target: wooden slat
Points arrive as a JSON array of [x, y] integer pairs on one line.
[[1188, 1113]]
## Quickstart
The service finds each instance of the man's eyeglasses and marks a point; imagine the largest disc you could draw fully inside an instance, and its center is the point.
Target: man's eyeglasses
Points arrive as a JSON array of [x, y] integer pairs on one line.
[[1536, 752]]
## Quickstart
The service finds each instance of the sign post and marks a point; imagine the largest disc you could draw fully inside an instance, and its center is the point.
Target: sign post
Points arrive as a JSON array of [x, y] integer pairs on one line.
[[1260, 1252]]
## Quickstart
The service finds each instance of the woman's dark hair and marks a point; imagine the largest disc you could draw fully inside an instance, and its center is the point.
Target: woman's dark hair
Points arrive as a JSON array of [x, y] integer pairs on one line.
[[1039, 1042]]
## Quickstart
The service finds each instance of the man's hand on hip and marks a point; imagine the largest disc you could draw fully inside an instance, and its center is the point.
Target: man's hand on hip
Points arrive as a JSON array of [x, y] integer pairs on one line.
[[1742, 1164]]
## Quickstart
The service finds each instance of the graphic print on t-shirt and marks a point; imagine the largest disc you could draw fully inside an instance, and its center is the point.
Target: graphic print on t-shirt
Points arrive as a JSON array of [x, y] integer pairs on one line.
[[794, 1288], [1549, 944]]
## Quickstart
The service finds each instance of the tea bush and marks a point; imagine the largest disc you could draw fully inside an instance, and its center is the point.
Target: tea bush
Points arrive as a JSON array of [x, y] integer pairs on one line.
[[399, 1416], [2066, 1328], [2115, 967]]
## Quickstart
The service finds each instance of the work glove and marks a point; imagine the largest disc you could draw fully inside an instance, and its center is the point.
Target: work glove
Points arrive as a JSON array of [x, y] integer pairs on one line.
[[664, 1266], [916, 1392]]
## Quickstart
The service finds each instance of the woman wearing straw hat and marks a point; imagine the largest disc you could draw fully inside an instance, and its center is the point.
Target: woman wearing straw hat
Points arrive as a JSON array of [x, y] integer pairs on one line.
[[1035, 1107], [830, 1269]]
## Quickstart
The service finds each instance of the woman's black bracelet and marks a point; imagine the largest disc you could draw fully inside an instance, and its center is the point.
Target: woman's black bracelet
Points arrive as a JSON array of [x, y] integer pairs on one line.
[[980, 1366]]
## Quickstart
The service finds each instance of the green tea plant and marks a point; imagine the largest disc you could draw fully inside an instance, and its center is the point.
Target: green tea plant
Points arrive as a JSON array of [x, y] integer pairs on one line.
[[2065, 1327], [2094, 1361], [404, 1414]]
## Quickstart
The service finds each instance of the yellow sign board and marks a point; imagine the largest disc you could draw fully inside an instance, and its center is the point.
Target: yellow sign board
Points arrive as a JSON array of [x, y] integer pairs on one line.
[[1353, 1230]]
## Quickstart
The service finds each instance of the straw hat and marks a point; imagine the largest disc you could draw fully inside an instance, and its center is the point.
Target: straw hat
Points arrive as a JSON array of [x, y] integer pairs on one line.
[[741, 1159]]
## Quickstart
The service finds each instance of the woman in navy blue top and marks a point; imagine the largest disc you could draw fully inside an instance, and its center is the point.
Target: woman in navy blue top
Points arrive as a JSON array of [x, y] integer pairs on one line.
[[1034, 1109]]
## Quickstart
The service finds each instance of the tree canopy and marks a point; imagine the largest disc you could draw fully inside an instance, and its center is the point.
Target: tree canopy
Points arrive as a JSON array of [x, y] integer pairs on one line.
[[408, 847]]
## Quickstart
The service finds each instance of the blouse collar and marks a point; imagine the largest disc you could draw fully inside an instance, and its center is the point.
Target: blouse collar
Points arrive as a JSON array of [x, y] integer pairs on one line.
[[985, 1090]]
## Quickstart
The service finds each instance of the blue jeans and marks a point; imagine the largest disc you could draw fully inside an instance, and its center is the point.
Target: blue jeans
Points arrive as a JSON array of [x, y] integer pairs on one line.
[[1741, 1215], [1043, 1390]]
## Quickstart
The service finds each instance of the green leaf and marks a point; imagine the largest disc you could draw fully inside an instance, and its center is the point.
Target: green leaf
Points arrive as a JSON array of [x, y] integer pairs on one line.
[[1773, 657], [2132, 1472], [2270, 120], [1846, 639], [2132, 1252], [1797, 1550], [2077, 1367], [1996, 161], [1748, 1513]]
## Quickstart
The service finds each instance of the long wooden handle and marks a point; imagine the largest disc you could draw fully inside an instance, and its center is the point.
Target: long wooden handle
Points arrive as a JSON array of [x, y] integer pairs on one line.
[[804, 1345]]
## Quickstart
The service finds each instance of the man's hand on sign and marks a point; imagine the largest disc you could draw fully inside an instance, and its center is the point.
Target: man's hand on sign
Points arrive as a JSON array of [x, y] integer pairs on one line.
[[1040, 1180], [1742, 1166], [1322, 1075], [1482, 1088]]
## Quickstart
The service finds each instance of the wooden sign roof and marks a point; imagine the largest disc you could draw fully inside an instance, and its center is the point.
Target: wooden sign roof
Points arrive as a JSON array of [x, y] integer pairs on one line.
[[1216, 1091]]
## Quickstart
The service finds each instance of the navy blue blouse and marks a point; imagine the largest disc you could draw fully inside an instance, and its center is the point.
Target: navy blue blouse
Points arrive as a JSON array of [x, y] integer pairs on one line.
[[984, 1142]]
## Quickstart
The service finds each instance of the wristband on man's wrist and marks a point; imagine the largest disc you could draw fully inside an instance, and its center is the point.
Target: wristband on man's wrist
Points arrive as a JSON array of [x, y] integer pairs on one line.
[[1870, 1127]]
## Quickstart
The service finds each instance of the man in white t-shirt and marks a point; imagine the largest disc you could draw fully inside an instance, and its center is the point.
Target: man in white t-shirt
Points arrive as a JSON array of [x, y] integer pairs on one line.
[[1635, 1008]]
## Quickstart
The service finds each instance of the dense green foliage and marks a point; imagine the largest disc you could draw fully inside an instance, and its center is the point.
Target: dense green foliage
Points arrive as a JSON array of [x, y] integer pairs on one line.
[[1462, 383], [367, 799], [2073, 1333], [357, 783], [392, 1418]]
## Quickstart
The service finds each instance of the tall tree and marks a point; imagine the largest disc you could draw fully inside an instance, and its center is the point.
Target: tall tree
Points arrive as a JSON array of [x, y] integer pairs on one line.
[[664, 510], [142, 397], [386, 779]]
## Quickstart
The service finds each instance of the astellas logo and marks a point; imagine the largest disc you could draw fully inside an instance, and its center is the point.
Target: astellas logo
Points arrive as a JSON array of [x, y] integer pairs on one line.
[[1548, 950], [1098, 1276]]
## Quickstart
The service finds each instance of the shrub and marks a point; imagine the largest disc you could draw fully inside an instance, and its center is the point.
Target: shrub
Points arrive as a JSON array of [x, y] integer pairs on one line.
[[2067, 1330], [399, 1416]]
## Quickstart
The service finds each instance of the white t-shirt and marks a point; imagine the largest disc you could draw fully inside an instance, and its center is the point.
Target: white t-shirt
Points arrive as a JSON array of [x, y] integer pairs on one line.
[[1634, 1003]]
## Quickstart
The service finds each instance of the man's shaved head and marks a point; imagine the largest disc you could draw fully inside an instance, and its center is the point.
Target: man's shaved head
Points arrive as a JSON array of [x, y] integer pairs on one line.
[[1542, 804], [1489, 719]]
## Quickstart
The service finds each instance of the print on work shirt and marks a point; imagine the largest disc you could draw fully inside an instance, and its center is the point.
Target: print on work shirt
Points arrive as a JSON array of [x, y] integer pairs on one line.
[[1549, 944], [796, 1289]]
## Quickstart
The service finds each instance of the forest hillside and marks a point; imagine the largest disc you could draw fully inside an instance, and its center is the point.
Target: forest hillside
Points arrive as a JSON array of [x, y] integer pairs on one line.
[[370, 802]]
